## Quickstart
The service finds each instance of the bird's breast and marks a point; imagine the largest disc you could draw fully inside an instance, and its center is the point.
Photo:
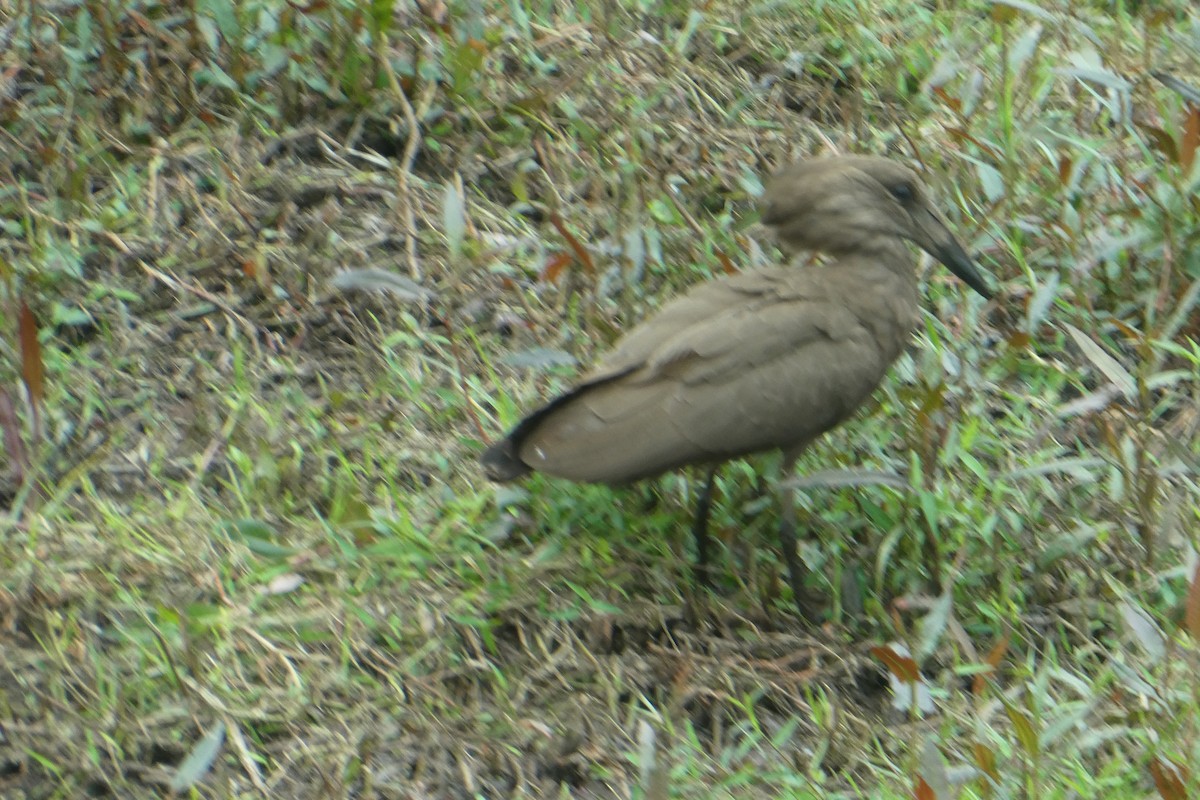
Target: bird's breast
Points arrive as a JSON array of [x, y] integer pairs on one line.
[[895, 312]]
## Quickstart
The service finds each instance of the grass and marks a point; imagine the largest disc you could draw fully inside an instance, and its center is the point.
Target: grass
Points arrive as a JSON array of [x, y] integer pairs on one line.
[[245, 549]]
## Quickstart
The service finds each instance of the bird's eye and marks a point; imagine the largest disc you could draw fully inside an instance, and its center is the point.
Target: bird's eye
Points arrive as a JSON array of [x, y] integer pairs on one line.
[[902, 192]]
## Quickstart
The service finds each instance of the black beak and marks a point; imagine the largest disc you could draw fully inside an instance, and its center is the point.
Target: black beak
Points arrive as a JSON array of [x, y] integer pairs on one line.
[[937, 240]]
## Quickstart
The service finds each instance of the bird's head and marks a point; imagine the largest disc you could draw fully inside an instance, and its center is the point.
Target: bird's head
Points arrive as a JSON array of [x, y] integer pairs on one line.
[[846, 204]]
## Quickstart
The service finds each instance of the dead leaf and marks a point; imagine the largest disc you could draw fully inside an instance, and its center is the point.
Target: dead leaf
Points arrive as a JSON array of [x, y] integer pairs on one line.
[[994, 657], [1169, 779], [32, 369], [1192, 609], [554, 267], [577, 248], [1191, 139], [902, 666]]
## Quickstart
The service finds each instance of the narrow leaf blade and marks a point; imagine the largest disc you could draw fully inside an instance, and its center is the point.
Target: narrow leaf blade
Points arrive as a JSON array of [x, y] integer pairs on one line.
[[200, 760], [1109, 366], [1024, 728]]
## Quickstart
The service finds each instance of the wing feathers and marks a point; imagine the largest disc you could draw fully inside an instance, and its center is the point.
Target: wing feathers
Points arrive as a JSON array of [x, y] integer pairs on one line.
[[763, 360]]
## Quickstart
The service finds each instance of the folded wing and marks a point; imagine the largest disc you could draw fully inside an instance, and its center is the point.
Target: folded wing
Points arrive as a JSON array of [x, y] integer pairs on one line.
[[759, 361]]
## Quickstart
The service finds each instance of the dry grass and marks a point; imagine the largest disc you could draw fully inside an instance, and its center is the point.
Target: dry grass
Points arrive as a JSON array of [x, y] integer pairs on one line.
[[249, 501]]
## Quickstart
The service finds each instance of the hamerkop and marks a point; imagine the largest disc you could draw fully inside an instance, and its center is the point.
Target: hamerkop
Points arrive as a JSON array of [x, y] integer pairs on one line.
[[760, 360]]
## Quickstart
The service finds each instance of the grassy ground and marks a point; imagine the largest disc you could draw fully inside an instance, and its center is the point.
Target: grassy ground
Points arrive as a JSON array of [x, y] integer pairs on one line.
[[245, 547]]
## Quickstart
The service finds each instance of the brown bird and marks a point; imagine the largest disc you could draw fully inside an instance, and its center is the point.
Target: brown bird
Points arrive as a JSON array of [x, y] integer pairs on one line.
[[762, 360]]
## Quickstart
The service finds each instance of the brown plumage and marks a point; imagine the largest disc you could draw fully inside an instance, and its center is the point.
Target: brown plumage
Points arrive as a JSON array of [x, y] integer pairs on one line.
[[761, 360]]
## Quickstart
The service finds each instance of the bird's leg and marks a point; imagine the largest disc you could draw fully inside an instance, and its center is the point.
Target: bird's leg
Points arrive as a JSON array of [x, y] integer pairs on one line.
[[700, 530], [788, 543]]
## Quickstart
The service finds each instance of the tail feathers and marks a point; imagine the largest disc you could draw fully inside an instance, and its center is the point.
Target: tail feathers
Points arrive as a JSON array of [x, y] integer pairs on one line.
[[501, 462]]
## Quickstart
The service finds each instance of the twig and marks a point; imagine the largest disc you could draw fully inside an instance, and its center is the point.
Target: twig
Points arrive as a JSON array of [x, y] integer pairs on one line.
[[410, 154], [249, 763]]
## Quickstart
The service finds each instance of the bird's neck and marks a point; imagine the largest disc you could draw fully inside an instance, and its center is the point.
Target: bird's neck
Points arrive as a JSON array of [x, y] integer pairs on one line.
[[890, 251], [884, 269]]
